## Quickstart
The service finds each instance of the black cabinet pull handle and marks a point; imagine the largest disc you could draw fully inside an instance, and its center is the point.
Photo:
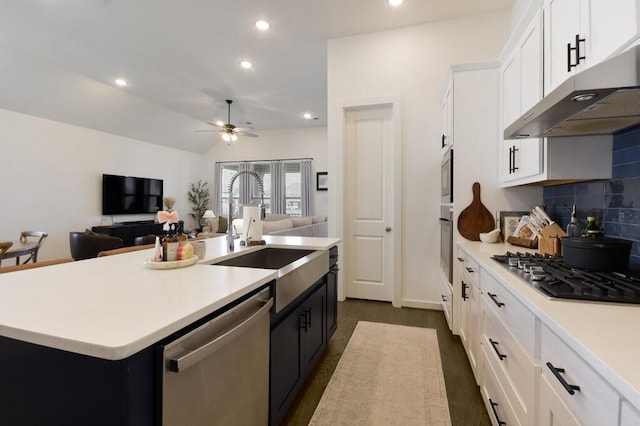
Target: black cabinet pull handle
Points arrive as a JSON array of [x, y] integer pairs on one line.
[[579, 57], [515, 168], [469, 269], [307, 315], [495, 348], [495, 413], [571, 389], [461, 259], [464, 291], [443, 142], [302, 319], [495, 300]]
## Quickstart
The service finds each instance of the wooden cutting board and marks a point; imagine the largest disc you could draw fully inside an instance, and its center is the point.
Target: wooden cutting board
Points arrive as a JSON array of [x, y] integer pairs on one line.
[[475, 218]]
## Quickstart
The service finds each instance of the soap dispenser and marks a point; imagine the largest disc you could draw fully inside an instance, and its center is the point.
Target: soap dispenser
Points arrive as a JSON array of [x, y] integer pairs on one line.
[[573, 228]]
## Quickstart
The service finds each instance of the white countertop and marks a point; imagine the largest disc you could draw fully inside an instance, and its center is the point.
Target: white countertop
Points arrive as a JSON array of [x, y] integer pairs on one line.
[[603, 334], [112, 307]]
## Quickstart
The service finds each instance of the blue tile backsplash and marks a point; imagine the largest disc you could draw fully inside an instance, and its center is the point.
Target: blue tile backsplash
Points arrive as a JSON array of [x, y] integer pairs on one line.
[[615, 203]]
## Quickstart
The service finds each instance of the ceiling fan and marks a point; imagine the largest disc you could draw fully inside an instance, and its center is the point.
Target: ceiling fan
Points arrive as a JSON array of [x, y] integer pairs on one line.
[[230, 132]]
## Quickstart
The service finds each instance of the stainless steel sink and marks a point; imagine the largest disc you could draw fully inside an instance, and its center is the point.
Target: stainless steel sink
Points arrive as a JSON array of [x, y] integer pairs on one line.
[[297, 269]]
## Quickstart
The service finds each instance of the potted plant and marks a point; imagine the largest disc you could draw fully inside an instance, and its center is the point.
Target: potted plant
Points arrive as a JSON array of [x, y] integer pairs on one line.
[[198, 196]]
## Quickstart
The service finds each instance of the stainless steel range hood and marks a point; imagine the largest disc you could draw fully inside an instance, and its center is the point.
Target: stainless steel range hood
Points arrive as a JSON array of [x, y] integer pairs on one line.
[[600, 100]]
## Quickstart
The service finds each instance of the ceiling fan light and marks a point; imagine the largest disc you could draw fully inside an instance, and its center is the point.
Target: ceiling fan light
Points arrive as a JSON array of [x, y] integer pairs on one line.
[[262, 25], [226, 137], [234, 137]]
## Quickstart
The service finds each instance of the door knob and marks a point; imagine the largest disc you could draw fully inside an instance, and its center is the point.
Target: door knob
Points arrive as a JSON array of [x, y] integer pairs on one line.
[[388, 229]]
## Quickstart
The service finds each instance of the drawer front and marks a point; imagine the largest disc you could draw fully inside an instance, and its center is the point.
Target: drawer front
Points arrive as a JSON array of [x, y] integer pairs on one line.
[[511, 362], [629, 416], [519, 320], [553, 411], [446, 297], [595, 402], [498, 406], [470, 268]]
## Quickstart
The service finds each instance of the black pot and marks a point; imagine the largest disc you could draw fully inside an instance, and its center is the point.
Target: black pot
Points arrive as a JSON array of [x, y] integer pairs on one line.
[[596, 254]]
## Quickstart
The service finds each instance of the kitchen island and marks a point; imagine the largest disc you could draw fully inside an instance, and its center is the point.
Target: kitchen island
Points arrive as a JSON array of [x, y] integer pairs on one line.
[[590, 345], [105, 315]]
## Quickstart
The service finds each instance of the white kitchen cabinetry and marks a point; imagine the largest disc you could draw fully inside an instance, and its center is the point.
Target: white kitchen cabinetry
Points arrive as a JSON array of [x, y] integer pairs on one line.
[[530, 372], [508, 343], [581, 33], [470, 318], [447, 299], [447, 116], [628, 415], [521, 89], [589, 398], [543, 160]]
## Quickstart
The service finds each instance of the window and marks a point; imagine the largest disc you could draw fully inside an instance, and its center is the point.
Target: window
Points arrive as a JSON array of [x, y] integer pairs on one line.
[[226, 173], [264, 171], [293, 188], [287, 186]]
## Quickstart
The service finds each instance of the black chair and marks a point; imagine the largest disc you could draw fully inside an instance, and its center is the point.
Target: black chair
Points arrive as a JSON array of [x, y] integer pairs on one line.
[[144, 240], [85, 245]]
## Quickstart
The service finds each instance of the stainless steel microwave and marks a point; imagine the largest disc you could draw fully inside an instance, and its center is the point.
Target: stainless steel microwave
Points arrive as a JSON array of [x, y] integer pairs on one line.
[[446, 177]]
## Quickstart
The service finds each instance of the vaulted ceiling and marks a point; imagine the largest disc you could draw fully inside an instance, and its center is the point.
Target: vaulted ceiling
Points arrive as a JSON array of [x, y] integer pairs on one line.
[[59, 60]]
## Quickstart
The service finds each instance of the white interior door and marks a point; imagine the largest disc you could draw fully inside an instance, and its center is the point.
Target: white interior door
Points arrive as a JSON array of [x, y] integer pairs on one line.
[[369, 203]]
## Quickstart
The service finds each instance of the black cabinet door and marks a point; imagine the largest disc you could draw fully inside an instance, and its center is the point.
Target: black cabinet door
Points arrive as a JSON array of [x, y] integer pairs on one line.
[[314, 336], [332, 302], [287, 369]]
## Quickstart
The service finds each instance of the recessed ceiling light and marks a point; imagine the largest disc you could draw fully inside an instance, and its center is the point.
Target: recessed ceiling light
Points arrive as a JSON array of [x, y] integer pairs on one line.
[[262, 25], [120, 82], [246, 65], [309, 116], [395, 2]]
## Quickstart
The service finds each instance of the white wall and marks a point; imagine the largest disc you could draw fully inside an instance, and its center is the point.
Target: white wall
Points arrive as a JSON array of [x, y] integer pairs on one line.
[[309, 142], [412, 62], [51, 176]]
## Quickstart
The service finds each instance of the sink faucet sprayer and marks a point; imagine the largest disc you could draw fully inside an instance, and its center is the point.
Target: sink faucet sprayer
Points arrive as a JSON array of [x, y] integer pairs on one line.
[[262, 208]]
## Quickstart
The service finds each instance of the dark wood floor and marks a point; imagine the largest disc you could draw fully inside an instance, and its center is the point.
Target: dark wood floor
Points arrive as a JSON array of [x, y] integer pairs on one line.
[[465, 402]]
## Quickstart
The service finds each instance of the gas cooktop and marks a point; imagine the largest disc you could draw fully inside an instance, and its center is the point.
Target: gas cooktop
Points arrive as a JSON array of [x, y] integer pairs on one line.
[[550, 276]]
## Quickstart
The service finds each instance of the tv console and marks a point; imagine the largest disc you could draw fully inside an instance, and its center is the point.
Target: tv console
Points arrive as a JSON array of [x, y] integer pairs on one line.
[[128, 231]]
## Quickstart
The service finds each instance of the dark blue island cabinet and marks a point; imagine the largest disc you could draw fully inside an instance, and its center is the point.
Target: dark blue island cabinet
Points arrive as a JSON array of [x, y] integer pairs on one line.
[[299, 336], [45, 386]]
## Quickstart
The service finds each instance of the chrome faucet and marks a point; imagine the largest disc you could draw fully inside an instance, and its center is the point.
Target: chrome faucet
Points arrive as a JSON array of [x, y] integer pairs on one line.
[[262, 208]]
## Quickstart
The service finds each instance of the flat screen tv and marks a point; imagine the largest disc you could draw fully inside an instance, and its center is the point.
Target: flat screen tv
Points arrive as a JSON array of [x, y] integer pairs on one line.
[[130, 195]]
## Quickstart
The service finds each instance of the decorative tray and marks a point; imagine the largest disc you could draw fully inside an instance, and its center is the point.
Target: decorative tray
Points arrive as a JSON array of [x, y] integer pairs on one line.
[[171, 264]]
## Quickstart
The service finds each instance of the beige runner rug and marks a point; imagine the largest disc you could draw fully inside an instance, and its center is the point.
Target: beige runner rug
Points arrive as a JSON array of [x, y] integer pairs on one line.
[[388, 375]]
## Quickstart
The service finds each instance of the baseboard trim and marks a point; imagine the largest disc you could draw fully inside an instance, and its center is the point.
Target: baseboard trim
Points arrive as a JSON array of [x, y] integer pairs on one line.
[[421, 304]]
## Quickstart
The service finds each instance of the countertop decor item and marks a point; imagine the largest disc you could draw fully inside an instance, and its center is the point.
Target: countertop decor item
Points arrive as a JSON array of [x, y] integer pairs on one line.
[[475, 218], [490, 237], [171, 264]]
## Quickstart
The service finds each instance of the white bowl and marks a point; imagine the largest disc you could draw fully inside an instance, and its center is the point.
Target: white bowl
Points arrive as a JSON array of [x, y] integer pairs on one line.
[[489, 237]]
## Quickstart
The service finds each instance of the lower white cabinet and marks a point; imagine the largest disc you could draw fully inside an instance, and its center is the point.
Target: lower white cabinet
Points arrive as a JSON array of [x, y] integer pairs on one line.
[[587, 395], [470, 319], [628, 415], [528, 374], [553, 411], [446, 295], [500, 410]]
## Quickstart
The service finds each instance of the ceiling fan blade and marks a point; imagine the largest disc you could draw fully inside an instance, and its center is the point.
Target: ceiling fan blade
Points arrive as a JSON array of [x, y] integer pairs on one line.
[[221, 126], [251, 135], [206, 130], [242, 129]]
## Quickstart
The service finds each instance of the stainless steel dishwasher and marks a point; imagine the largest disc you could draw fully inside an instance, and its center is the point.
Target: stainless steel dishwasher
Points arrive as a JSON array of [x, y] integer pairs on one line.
[[218, 374]]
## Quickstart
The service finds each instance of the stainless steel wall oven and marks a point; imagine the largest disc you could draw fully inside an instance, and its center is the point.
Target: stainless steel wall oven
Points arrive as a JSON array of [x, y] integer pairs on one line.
[[446, 242]]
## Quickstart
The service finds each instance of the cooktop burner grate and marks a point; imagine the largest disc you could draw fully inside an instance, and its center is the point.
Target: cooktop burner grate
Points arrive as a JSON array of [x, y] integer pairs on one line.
[[550, 276]]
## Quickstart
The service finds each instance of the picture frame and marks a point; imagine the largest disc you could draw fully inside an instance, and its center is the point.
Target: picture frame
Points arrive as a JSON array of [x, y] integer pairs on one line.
[[322, 183], [509, 222]]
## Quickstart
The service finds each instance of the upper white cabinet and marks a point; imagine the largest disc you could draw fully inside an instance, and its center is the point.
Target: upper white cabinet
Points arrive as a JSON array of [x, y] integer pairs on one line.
[[581, 33], [541, 58], [521, 89], [447, 116]]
